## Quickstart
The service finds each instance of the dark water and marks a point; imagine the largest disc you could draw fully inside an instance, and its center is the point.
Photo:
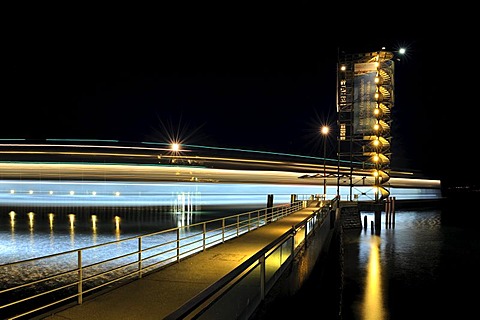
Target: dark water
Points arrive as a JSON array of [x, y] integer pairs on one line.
[[425, 266]]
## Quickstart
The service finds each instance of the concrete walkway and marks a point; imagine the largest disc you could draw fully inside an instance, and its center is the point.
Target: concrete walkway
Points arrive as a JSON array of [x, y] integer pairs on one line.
[[158, 294]]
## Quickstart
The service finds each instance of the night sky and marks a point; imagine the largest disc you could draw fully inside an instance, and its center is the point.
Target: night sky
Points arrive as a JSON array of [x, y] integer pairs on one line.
[[262, 79]]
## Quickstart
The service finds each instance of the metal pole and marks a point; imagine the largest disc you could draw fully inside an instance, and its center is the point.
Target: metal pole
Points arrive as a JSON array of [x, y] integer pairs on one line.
[[178, 244], [80, 277], [140, 257], [324, 167]]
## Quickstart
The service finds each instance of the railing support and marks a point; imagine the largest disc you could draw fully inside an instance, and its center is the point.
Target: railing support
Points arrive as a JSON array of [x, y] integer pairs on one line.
[[178, 245], [140, 257], [80, 277], [204, 236], [223, 230]]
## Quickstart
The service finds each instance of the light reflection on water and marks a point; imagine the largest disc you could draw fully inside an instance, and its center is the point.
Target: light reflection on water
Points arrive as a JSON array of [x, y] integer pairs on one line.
[[389, 259], [424, 267], [427, 267], [26, 234], [372, 304]]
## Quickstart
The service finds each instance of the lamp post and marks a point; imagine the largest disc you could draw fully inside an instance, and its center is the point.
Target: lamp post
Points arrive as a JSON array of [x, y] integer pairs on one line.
[[325, 130]]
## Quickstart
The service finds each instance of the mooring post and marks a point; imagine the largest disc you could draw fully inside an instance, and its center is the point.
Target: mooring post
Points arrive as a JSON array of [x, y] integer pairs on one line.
[[378, 220]]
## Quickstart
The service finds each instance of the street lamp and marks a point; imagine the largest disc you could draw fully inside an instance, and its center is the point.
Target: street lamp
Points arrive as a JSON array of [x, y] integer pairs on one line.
[[325, 130]]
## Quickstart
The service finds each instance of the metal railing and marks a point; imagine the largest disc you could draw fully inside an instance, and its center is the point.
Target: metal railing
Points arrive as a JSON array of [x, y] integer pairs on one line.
[[65, 278], [239, 293]]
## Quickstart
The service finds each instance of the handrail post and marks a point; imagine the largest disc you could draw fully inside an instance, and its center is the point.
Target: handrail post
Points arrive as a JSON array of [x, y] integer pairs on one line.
[[80, 277], [238, 225], [249, 220], [204, 236], [178, 244], [139, 257], [223, 230]]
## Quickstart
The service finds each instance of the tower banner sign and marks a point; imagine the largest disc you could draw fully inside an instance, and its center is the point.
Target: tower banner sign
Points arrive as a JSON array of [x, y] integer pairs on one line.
[[364, 102]]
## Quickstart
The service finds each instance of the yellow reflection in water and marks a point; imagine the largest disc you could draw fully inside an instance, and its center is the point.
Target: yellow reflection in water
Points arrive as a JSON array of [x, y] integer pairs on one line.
[[12, 219], [94, 223], [372, 305], [117, 227], [94, 228], [30, 220], [50, 220], [71, 219]]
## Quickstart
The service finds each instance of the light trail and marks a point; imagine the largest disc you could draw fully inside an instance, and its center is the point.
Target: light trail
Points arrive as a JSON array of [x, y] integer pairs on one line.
[[77, 166]]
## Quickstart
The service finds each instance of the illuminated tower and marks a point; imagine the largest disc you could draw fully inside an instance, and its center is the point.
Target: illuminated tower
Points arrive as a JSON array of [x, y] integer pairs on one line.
[[365, 98]]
